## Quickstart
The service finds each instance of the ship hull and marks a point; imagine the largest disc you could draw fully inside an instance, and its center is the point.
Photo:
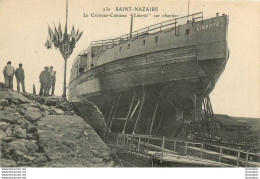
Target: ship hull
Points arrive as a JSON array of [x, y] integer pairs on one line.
[[178, 88], [155, 87]]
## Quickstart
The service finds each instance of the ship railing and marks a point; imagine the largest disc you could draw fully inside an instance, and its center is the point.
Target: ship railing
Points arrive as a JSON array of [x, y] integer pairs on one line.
[[153, 29], [226, 155]]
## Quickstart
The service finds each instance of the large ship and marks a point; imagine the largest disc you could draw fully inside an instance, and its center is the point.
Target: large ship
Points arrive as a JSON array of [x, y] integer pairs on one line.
[[154, 80]]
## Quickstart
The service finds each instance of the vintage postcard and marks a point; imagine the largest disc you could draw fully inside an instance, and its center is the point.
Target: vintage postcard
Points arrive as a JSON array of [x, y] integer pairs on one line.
[[119, 84]]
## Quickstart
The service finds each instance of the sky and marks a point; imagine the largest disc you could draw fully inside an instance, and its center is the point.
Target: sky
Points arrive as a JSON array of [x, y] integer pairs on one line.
[[24, 26]]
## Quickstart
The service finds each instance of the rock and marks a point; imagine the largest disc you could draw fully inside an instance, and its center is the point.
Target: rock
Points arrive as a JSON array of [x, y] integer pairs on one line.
[[32, 116], [9, 131], [56, 111], [19, 132], [31, 146], [32, 129], [24, 123], [9, 139], [7, 163], [5, 150], [4, 125], [45, 113], [3, 103], [2, 86], [31, 137], [2, 135], [18, 145], [85, 133], [34, 105], [17, 98], [21, 111], [28, 158], [4, 95], [9, 117], [51, 100], [9, 109], [41, 158], [44, 108], [33, 109]]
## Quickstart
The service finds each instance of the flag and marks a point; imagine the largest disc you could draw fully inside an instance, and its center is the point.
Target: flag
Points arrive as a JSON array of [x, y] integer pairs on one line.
[[48, 42], [79, 35], [60, 32], [73, 34], [56, 41], [72, 43], [51, 34]]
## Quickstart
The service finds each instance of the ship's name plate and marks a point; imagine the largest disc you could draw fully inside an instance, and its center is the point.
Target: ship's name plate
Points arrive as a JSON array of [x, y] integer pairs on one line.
[[208, 26]]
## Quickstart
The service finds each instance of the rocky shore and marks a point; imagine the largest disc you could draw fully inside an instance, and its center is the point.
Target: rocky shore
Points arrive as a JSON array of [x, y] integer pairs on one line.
[[45, 132]]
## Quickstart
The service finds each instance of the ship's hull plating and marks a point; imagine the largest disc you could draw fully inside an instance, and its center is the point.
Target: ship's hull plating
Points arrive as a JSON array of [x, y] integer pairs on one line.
[[175, 76]]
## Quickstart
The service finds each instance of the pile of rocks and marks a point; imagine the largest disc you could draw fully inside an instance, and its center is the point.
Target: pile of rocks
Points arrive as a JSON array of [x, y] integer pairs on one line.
[[32, 135], [18, 131]]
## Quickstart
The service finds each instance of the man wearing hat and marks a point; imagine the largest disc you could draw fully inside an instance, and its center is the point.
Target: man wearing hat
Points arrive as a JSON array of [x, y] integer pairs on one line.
[[50, 82], [19, 74], [45, 78], [8, 72], [53, 81]]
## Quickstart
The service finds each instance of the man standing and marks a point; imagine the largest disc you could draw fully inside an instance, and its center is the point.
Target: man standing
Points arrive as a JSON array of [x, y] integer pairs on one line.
[[50, 83], [8, 72], [19, 74], [53, 81], [45, 78]]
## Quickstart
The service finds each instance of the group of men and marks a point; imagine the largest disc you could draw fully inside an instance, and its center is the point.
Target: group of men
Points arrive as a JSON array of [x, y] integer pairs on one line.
[[9, 72], [47, 80]]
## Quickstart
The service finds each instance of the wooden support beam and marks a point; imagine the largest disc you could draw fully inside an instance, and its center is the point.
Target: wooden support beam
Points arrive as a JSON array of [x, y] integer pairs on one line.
[[206, 115], [213, 116], [139, 142], [117, 140], [136, 106], [220, 154], [159, 123], [114, 114], [163, 143], [201, 150], [139, 113], [238, 156], [195, 114], [175, 145], [151, 127], [111, 112], [129, 111], [185, 152], [247, 153]]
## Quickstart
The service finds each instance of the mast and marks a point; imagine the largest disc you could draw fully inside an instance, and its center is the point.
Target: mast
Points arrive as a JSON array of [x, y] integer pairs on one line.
[[188, 10], [66, 17], [65, 59], [131, 26]]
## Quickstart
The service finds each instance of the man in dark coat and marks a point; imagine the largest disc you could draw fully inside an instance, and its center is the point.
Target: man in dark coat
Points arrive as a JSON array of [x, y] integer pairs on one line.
[[19, 74], [45, 78]]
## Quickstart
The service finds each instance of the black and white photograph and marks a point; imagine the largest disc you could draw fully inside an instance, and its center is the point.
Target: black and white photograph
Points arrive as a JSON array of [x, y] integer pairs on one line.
[[119, 88]]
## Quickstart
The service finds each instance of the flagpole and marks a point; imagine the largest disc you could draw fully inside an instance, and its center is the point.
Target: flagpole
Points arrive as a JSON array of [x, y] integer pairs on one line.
[[65, 59], [65, 42]]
